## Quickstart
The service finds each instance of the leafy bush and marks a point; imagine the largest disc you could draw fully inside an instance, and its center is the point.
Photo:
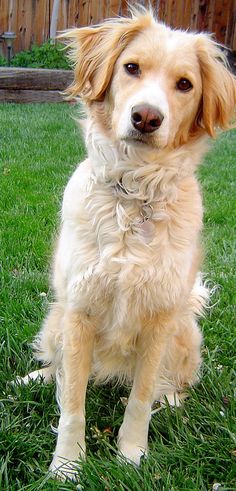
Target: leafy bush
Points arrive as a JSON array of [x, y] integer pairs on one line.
[[45, 56], [3, 61]]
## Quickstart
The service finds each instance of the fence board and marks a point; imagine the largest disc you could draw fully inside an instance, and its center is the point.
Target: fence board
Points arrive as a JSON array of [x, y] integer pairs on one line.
[[230, 38], [39, 22], [210, 16], [186, 13], [3, 15], [221, 18], [30, 19]]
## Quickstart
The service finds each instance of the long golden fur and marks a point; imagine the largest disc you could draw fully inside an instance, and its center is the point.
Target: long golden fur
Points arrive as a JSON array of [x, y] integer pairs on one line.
[[126, 269]]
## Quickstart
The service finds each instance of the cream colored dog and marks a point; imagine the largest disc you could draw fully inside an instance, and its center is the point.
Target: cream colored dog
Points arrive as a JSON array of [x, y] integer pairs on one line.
[[126, 265]]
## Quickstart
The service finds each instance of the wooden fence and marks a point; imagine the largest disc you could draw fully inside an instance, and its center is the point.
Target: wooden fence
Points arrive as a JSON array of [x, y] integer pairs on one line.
[[30, 19]]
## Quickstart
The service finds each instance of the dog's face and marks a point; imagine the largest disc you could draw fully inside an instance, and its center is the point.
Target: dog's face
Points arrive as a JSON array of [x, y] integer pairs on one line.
[[147, 84], [156, 88]]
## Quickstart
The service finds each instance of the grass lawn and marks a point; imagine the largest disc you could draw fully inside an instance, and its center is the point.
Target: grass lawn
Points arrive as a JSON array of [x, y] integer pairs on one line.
[[192, 447]]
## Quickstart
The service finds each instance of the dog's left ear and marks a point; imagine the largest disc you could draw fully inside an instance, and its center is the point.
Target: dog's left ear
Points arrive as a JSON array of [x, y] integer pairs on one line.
[[94, 51], [219, 86]]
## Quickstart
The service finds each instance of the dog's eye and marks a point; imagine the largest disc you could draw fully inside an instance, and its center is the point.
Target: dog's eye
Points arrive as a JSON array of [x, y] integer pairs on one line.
[[184, 85], [132, 69]]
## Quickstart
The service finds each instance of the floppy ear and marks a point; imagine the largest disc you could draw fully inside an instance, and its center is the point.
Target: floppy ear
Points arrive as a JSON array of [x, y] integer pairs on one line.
[[219, 87], [94, 51]]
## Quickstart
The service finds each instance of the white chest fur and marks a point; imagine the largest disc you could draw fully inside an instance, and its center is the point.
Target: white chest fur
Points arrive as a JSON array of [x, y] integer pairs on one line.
[[104, 250], [135, 242]]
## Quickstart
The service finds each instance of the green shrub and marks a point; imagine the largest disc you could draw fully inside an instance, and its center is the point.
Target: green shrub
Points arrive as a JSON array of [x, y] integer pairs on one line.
[[3, 61], [45, 56]]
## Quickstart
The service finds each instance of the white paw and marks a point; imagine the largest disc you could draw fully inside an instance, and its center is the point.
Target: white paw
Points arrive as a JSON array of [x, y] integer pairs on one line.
[[44, 375], [64, 469], [173, 399], [131, 452]]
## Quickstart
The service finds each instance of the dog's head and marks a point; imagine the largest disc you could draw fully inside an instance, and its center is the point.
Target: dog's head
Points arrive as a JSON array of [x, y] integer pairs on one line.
[[146, 83]]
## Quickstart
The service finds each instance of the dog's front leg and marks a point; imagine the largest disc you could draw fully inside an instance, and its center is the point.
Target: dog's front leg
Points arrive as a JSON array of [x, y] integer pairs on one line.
[[133, 434], [78, 342]]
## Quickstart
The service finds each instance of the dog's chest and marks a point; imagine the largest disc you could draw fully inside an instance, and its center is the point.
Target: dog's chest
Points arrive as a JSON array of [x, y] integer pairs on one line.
[[123, 230], [117, 251]]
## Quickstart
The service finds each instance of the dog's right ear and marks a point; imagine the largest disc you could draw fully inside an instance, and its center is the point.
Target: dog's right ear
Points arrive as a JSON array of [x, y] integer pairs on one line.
[[94, 51]]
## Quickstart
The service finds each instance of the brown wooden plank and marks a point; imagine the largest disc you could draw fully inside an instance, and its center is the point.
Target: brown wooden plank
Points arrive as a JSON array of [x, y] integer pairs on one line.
[[12, 15], [20, 28], [174, 9], [3, 16], [232, 42], [21, 23], [28, 16], [100, 16], [220, 19], [47, 19], [106, 9], [74, 13], [194, 15], [71, 13], [114, 8], [88, 13], [38, 22], [3, 25], [123, 8], [32, 78], [33, 25], [230, 38], [94, 12], [186, 21], [13, 22], [20, 96], [202, 15], [62, 22], [83, 13], [161, 11], [208, 26], [179, 10], [168, 11]]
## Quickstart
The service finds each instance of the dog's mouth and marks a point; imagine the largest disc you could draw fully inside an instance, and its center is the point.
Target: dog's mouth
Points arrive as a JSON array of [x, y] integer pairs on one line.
[[134, 137], [155, 141]]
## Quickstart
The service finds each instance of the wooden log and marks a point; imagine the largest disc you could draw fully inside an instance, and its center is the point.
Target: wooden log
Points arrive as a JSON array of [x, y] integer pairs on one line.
[[34, 78], [20, 96]]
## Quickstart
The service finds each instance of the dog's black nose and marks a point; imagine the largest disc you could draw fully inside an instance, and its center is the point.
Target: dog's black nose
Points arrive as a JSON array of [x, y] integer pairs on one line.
[[146, 118]]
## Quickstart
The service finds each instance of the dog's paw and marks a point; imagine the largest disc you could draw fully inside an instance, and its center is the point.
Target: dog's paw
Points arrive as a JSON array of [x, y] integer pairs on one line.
[[44, 375], [131, 453], [63, 469], [174, 399]]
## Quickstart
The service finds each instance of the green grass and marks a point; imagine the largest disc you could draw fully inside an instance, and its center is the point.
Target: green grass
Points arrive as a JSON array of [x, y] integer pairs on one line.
[[190, 448]]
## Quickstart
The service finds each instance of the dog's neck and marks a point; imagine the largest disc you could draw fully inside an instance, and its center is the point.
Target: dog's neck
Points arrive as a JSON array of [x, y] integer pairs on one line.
[[140, 172]]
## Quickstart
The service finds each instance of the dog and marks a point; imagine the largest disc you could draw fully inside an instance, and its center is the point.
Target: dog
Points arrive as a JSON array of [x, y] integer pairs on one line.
[[128, 291]]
